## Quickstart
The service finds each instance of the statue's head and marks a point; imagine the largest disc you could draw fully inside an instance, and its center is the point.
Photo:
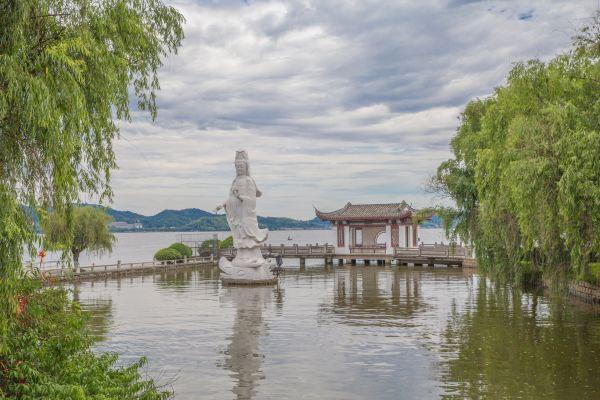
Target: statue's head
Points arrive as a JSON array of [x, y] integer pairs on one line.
[[242, 167]]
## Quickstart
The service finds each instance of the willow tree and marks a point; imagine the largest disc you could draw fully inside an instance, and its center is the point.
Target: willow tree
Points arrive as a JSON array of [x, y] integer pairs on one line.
[[526, 169], [86, 231], [68, 71]]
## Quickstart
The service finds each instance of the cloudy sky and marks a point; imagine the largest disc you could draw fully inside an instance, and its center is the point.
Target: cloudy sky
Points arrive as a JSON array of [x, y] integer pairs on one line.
[[335, 101]]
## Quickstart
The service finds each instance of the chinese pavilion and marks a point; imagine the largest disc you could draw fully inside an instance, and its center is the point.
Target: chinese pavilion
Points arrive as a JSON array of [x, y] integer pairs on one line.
[[372, 228]]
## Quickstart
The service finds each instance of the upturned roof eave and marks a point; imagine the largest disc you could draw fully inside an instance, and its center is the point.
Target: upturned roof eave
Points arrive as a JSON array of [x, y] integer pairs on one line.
[[331, 214], [341, 214]]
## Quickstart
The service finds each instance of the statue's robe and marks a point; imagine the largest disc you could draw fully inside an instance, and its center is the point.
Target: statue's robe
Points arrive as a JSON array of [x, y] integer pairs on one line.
[[241, 214]]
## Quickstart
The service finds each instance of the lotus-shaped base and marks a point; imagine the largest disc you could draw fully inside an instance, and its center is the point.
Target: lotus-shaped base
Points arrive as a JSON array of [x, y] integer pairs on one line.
[[243, 271]]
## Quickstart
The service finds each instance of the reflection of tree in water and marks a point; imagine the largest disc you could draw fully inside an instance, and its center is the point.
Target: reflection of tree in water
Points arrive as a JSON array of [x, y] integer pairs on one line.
[[243, 356], [180, 280], [99, 313], [370, 295], [507, 345], [176, 280]]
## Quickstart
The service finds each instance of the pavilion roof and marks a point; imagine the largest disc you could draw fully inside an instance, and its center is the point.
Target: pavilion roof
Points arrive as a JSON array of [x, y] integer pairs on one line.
[[368, 212]]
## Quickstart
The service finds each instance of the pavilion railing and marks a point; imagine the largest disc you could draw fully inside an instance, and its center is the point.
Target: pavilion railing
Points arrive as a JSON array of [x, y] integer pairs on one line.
[[368, 249], [433, 250]]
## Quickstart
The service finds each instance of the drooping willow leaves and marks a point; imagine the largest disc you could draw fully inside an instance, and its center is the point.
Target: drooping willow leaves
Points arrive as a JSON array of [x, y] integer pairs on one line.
[[525, 175], [68, 71]]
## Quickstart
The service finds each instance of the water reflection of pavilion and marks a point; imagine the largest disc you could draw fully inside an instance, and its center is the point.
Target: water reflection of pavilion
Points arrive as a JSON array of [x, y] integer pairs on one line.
[[243, 355], [372, 295]]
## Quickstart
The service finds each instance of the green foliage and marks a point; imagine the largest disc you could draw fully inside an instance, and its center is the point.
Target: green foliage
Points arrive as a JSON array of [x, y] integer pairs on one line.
[[49, 354], [593, 275], [226, 243], [529, 275], [182, 249], [207, 245], [14, 231], [66, 70], [526, 169], [167, 254]]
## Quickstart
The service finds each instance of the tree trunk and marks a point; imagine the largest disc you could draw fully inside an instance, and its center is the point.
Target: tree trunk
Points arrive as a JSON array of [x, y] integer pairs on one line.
[[76, 261]]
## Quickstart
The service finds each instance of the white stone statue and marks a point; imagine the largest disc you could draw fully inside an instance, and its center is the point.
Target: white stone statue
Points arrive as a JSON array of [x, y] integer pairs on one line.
[[248, 266]]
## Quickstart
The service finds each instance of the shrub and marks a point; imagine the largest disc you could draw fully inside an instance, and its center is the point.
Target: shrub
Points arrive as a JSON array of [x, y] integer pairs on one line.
[[167, 254], [182, 249], [48, 354], [225, 243]]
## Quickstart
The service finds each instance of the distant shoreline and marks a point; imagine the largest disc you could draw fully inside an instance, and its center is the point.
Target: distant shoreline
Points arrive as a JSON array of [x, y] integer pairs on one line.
[[227, 230], [212, 230]]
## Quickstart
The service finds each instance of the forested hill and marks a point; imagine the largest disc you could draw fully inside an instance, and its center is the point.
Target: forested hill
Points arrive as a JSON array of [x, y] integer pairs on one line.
[[194, 219]]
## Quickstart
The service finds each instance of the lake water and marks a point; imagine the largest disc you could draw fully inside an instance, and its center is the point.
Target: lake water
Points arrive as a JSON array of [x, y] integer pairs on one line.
[[348, 333], [141, 246]]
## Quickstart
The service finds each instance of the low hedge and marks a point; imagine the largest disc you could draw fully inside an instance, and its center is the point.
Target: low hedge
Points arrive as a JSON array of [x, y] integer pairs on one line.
[[167, 254], [182, 249]]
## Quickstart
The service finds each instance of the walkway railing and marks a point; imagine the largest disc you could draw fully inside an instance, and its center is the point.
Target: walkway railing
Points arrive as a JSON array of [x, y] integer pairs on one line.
[[56, 268]]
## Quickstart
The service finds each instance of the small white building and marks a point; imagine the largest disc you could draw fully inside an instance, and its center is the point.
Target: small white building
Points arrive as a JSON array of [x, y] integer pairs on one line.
[[373, 228], [125, 225]]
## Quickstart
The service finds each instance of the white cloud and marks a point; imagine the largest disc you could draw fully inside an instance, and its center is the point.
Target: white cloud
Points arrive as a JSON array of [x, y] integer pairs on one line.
[[335, 101]]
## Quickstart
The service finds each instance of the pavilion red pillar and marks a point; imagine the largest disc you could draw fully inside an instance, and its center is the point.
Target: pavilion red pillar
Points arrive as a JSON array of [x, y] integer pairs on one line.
[[414, 238], [340, 235], [395, 236]]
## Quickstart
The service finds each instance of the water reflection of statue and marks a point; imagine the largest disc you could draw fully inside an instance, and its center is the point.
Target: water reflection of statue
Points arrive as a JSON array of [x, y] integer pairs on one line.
[[248, 265], [243, 351]]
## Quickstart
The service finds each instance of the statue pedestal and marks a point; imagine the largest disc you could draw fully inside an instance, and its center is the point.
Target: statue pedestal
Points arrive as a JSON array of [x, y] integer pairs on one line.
[[247, 268]]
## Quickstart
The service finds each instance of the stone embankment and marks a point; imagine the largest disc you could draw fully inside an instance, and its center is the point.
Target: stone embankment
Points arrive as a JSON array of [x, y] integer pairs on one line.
[[578, 290], [585, 291]]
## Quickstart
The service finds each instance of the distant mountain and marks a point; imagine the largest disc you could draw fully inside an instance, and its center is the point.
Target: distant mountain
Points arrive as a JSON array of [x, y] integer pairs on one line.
[[124, 216], [276, 223], [175, 218], [195, 219]]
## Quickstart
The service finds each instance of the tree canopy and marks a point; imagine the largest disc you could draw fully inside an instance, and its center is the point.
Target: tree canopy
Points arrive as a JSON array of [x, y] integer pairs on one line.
[[66, 70], [87, 231], [525, 175]]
